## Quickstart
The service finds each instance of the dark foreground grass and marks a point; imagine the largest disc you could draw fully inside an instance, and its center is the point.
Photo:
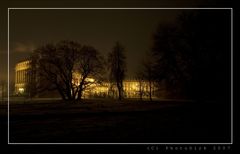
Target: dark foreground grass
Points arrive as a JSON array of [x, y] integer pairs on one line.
[[105, 121]]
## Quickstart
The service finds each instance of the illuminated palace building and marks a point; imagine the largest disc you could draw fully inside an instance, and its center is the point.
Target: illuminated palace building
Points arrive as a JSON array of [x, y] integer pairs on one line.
[[22, 77], [131, 87]]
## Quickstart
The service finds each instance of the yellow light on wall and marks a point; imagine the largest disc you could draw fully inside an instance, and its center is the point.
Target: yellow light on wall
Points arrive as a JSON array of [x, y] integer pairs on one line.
[[21, 90], [90, 79]]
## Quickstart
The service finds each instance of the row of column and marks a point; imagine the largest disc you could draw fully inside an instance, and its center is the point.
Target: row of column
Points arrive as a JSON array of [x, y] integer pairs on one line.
[[22, 76]]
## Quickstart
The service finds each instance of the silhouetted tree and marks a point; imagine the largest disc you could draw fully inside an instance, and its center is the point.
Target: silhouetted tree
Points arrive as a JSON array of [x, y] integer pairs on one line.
[[3, 88], [193, 54], [91, 68], [140, 79], [56, 66], [31, 88], [147, 73], [117, 66], [165, 51]]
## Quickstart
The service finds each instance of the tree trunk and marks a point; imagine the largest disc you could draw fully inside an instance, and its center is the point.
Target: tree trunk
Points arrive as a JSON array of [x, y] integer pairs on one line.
[[119, 94], [140, 90], [79, 95], [2, 92], [62, 95], [79, 98], [119, 91], [69, 95], [150, 90]]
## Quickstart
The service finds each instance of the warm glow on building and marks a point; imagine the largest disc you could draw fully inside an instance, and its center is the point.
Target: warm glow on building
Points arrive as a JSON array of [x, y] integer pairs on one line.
[[131, 88], [22, 76], [21, 90]]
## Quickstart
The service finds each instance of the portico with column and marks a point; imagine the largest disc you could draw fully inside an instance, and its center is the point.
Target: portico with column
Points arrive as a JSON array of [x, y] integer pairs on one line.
[[21, 77]]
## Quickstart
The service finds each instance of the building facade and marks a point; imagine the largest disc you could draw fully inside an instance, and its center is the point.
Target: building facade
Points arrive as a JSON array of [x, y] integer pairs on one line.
[[22, 77], [131, 88]]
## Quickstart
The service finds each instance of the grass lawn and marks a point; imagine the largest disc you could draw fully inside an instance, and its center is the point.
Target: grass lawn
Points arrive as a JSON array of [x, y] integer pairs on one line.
[[109, 121]]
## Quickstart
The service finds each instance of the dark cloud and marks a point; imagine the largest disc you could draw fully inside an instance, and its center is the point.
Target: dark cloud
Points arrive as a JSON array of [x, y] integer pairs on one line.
[[20, 47]]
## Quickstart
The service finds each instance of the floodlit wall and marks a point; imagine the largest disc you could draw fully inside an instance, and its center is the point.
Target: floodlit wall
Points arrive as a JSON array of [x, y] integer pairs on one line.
[[131, 88], [22, 77]]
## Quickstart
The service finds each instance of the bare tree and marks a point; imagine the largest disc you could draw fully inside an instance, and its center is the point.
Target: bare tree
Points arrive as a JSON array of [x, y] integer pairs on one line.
[[192, 55], [90, 67], [147, 73], [55, 65], [140, 79], [3, 86], [117, 66]]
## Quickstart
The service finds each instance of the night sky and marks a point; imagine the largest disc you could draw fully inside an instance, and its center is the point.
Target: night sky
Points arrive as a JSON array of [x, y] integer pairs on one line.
[[99, 28]]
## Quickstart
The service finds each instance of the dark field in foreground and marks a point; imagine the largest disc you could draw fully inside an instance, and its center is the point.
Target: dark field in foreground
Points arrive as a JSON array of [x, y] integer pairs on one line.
[[98, 121]]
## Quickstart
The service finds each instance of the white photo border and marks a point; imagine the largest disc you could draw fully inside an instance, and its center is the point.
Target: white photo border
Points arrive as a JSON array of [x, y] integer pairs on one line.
[[134, 9]]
